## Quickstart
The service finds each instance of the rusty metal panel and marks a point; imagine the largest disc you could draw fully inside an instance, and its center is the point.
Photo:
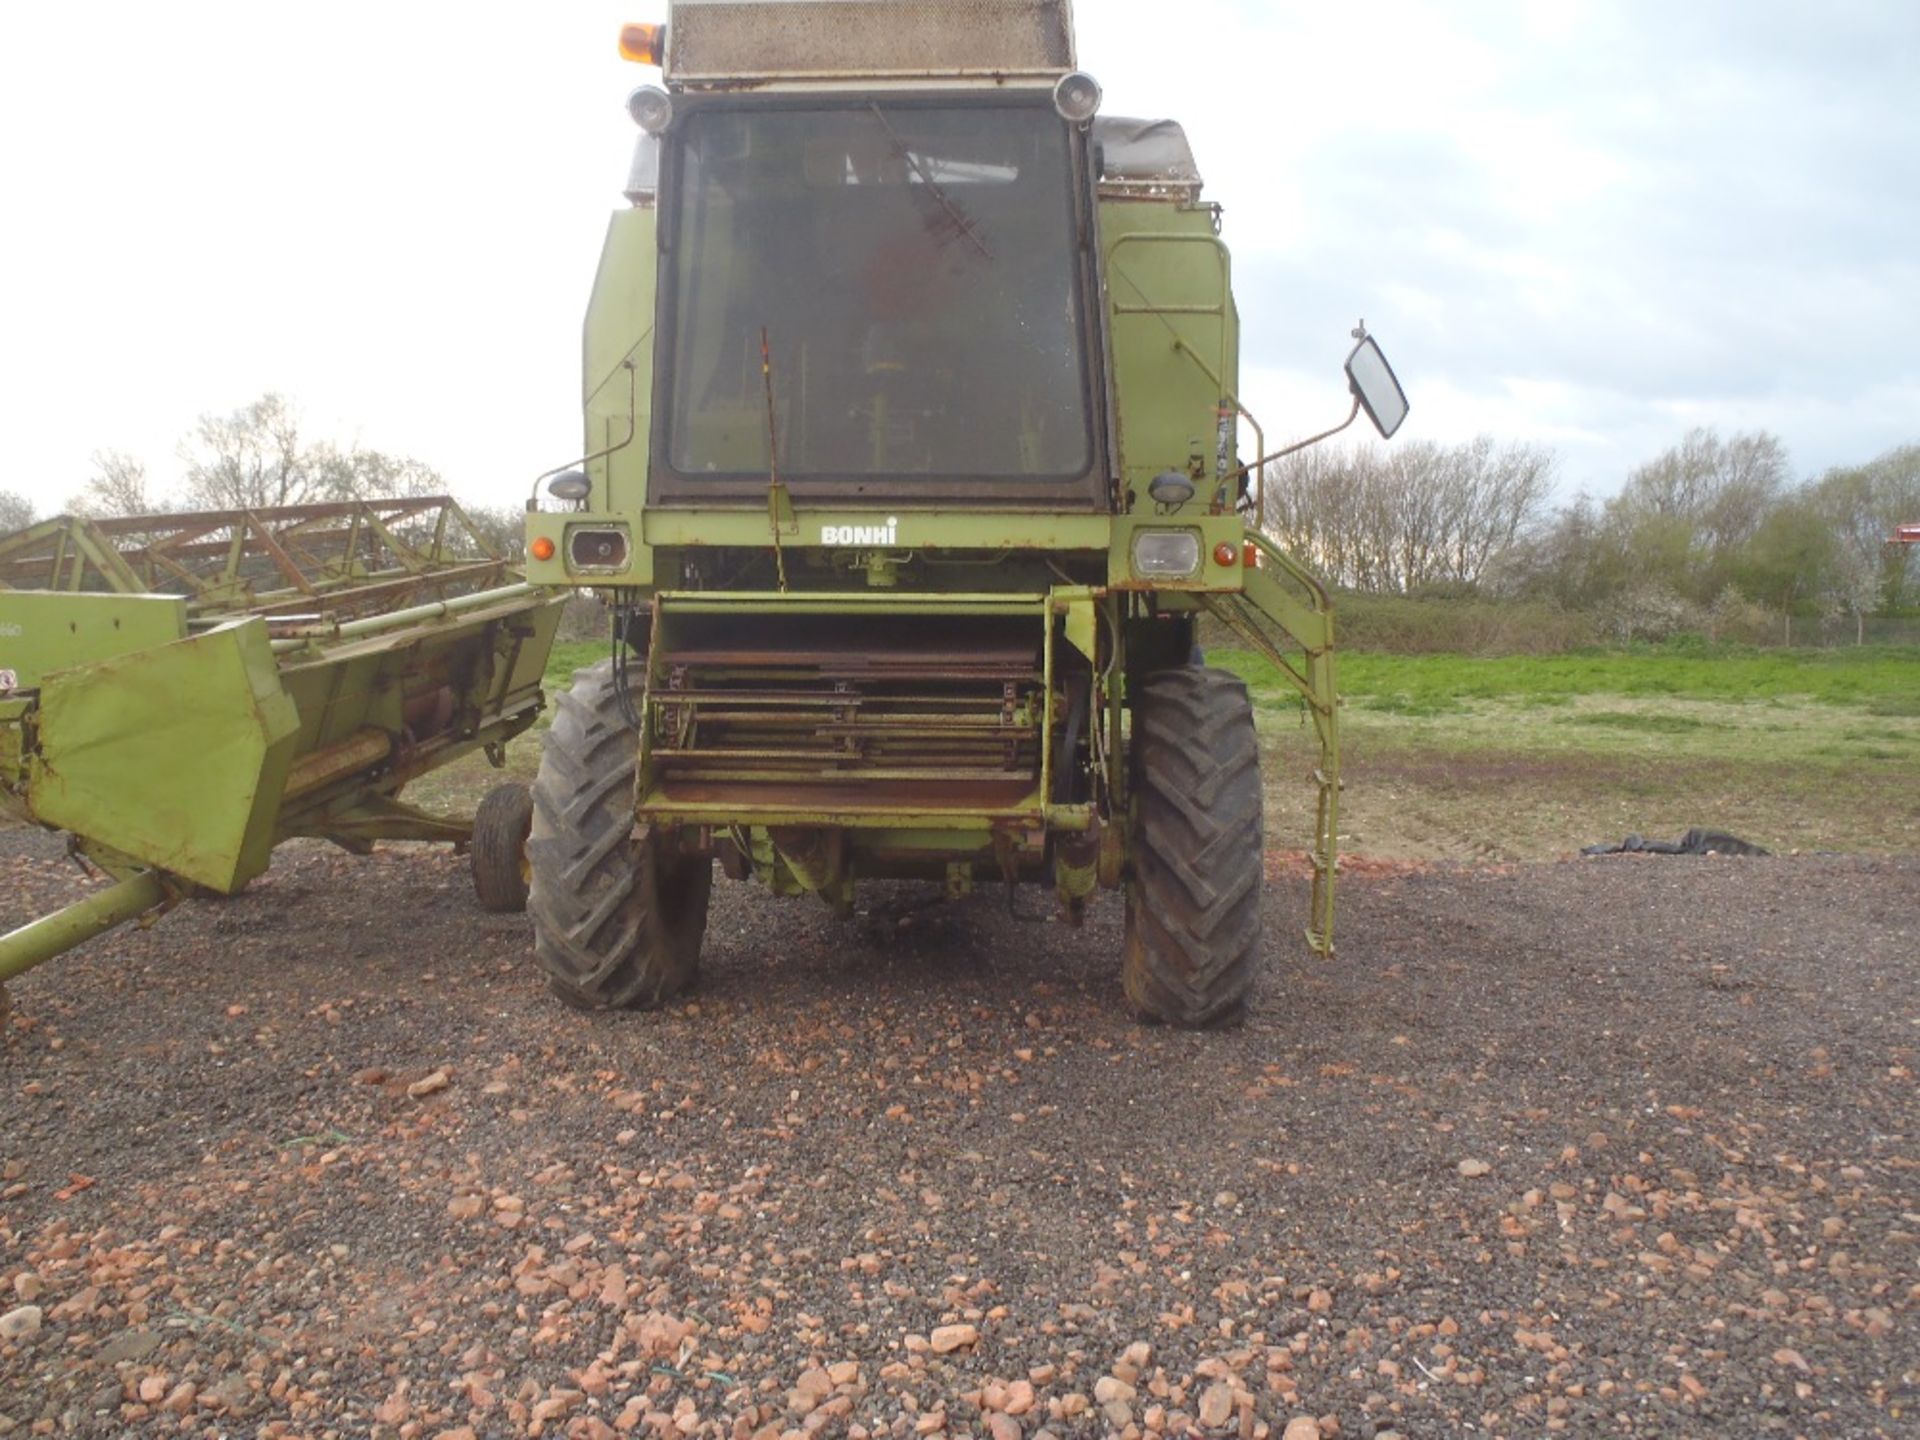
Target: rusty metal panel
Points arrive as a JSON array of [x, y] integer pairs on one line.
[[334, 559], [1145, 159], [771, 40]]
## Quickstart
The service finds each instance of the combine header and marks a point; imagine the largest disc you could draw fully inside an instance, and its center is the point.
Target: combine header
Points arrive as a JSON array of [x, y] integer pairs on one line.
[[180, 693]]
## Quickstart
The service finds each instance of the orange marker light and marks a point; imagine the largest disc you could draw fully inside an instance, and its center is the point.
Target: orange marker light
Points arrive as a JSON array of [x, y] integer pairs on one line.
[[643, 44], [541, 549], [1225, 554]]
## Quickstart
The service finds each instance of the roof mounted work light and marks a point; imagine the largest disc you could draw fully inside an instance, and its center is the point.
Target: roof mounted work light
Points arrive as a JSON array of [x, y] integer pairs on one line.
[[1077, 97], [651, 108]]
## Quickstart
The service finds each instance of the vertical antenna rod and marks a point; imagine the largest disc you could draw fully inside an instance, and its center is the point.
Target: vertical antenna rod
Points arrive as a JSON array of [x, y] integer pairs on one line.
[[774, 487]]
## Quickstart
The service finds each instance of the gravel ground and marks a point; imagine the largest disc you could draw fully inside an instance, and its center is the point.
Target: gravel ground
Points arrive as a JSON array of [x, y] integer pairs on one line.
[[1621, 1146]]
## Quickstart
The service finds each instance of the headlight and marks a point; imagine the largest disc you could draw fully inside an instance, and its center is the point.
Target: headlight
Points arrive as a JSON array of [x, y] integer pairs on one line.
[[1166, 554], [594, 549], [651, 108], [1077, 97]]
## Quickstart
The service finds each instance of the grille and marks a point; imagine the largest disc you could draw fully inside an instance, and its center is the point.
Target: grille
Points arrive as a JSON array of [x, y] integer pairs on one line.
[[866, 713], [770, 39]]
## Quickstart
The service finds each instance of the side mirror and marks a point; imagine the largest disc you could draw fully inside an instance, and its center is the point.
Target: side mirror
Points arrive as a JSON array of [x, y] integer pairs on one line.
[[1374, 385]]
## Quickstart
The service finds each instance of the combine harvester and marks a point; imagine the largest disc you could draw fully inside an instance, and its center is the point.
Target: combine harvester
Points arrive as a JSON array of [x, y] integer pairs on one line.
[[912, 397], [914, 462], [181, 693]]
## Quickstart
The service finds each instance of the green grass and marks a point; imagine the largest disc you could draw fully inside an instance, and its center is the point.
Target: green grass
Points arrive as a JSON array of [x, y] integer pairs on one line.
[[1653, 723], [1530, 756], [1884, 676], [570, 656]]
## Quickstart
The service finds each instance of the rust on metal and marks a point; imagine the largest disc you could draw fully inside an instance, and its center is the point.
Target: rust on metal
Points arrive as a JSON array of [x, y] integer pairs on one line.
[[306, 563], [360, 751]]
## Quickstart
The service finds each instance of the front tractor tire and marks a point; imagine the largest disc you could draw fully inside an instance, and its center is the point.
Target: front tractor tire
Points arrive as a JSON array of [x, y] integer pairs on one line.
[[1193, 894], [618, 917]]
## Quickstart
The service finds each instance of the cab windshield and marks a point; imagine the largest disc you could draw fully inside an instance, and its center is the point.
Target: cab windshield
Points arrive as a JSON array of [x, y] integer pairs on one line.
[[914, 272]]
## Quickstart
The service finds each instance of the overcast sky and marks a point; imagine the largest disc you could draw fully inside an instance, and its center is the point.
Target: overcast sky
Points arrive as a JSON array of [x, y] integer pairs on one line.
[[1588, 225]]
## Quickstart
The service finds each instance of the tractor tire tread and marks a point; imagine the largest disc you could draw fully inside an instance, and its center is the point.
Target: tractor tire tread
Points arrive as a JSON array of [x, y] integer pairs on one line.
[[616, 924], [1193, 934]]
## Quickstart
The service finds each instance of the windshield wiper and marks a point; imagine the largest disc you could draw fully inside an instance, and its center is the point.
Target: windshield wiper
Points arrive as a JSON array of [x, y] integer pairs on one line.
[[954, 212]]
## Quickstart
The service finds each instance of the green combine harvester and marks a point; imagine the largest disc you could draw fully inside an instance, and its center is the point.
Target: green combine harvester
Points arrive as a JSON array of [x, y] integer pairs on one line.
[[914, 459], [181, 693], [914, 456]]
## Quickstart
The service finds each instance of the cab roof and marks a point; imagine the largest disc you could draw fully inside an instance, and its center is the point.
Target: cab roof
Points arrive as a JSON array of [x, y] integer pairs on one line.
[[758, 43], [1145, 159]]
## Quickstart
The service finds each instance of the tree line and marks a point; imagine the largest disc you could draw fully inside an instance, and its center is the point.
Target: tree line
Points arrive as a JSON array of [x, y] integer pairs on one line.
[[1714, 535], [259, 457]]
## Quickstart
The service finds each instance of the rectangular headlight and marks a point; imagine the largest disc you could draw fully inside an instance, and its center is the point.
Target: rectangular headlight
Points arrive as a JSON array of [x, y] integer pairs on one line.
[[604, 548], [1166, 554]]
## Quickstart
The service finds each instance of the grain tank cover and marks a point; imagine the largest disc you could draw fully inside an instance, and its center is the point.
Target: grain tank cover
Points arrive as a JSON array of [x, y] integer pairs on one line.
[[1145, 159], [768, 42]]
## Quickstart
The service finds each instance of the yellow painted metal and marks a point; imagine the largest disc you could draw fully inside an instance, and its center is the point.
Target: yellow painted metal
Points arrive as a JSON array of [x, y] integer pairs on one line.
[[35, 943], [42, 632], [175, 756], [618, 366], [1283, 596], [1074, 604]]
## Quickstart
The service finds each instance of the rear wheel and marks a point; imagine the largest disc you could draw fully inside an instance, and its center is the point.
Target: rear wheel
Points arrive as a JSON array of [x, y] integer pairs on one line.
[[501, 870], [1193, 897], [618, 917]]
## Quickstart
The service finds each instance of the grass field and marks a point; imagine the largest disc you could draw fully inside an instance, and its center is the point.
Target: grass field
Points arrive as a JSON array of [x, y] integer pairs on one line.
[[1532, 756], [1527, 757]]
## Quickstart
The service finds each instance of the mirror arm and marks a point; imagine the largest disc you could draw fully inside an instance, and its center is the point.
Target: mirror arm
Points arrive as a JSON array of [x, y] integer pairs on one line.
[[1298, 445]]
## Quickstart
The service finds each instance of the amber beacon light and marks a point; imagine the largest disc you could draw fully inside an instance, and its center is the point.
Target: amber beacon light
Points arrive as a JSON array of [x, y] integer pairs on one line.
[[643, 44]]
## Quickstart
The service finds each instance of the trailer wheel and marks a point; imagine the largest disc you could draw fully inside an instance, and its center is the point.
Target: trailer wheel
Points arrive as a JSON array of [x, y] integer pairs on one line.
[[1193, 894], [498, 857], [617, 918]]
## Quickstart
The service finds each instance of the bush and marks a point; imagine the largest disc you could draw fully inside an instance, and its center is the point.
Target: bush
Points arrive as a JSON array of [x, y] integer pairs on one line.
[[1432, 626], [585, 617], [1736, 620], [1648, 611]]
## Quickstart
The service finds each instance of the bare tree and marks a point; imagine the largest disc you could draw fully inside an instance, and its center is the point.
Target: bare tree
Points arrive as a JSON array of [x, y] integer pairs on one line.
[[502, 527], [118, 486], [249, 460], [255, 458], [358, 474], [16, 512], [1417, 517]]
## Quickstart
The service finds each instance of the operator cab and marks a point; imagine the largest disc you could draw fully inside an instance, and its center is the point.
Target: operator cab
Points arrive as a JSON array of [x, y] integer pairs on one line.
[[917, 272], [877, 255]]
